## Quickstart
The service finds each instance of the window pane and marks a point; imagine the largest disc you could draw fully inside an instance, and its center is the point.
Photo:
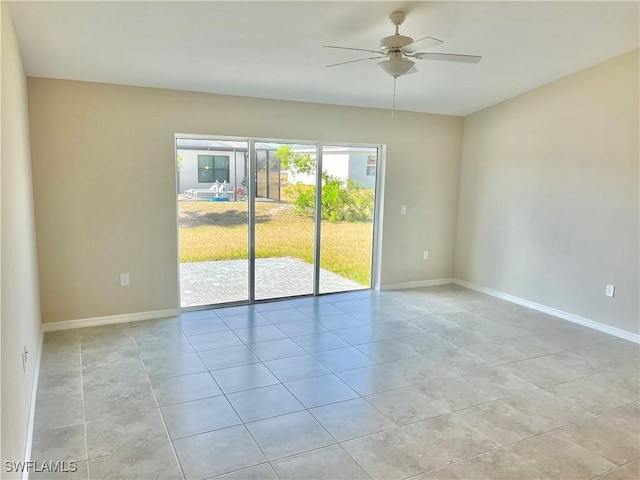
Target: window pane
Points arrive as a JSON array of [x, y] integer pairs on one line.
[[214, 248], [220, 161], [205, 161], [205, 169], [346, 234]]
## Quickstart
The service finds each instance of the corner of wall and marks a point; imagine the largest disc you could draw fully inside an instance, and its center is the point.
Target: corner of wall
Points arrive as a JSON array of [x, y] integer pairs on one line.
[[20, 320]]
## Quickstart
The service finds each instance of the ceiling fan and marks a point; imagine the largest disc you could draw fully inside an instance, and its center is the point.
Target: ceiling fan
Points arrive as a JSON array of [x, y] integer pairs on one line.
[[398, 50]]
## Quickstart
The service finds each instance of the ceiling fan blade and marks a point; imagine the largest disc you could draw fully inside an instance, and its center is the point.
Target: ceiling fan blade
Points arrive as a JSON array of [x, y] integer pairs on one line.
[[356, 49], [447, 57], [353, 61], [425, 42]]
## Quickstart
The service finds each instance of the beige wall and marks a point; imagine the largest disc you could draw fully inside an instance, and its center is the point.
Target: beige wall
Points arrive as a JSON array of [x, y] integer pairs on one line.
[[548, 207], [104, 183], [20, 311]]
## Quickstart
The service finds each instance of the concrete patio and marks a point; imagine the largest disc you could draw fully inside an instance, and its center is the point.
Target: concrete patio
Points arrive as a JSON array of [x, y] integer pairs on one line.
[[206, 283]]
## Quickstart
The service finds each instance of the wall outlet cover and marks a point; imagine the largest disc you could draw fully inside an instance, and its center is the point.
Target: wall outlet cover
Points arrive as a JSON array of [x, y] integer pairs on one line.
[[610, 291]]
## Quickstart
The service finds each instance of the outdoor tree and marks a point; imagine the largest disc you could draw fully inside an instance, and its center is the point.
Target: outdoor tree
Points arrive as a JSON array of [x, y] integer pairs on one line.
[[342, 199]]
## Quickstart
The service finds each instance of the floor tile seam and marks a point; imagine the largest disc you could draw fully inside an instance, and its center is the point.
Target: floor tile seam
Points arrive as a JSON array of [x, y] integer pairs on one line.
[[354, 460], [246, 429], [313, 376], [164, 424], [423, 451], [506, 397], [173, 440], [243, 422], [544, 387], [248, 344], [103, 387], [320, 319], [400, 425], [337, 444], [617, 468], [570, 349], [239, 423], [596, 387], [195, 349], [319, 351], [328, 372], [118, 452], [375, 363], [313, 417], [257, 445], [225, 329], [188, 320], [182, 402], [395, 426], [84, 413], [467, 459], [515, 374], [596, 416], [266, 462], [590, 450], [556, 430], [288, 456], [197, 352], [43, 429], [253, 388]]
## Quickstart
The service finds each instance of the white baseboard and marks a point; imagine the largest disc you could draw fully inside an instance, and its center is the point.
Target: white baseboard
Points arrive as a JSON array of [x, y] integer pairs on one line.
[[418, 284], [109, 320], [32, 407], [617, 332]]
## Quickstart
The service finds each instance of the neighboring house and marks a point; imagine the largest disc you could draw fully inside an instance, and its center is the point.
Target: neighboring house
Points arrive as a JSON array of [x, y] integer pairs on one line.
[[356, 163], [206, 161]]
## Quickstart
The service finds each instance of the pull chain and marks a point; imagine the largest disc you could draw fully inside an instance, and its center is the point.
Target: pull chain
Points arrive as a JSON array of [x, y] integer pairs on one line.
[[393, 108]]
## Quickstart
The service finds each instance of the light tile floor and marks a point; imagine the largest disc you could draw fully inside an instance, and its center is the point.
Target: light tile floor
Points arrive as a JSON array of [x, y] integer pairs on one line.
[[435, 383]]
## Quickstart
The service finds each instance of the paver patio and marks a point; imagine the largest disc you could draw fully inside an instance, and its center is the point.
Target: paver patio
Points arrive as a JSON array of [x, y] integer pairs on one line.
[[205, 283]]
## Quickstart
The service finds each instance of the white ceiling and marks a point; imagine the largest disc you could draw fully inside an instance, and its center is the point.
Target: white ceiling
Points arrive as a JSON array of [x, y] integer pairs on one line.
[[274, 49]]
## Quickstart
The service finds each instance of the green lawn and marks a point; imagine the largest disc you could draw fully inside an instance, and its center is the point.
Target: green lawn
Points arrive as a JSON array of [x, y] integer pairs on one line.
[[218, 231]]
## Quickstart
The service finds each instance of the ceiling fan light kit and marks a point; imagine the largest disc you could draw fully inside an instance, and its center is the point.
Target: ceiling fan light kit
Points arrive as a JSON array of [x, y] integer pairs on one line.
[[396, 67]]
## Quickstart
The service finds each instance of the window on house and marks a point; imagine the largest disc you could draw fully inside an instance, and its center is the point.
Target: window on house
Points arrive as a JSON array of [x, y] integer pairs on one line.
[[371, 165], [213, 168]]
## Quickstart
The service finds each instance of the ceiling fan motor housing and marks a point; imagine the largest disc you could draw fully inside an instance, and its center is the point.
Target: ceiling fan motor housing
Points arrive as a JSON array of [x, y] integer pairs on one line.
[[394, 42]]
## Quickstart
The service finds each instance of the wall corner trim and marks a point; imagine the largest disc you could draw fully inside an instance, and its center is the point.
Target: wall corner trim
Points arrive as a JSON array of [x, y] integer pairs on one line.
[[110, 320], [616, 332], [418, 284], [32, 407]]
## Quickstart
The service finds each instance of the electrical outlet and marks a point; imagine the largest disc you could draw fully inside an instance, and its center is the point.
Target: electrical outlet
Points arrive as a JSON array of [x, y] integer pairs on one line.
[[403, 209], [124, 279], [425, 255], [25, 354], [610, 291]]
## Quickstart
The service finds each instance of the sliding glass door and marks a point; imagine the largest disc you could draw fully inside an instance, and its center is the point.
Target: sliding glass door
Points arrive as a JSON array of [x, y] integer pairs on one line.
[[284, 219], [262, 220], [213, 220], [347, 214]]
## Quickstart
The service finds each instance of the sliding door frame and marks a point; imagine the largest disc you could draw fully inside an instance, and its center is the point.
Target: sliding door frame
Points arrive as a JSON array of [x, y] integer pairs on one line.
[[376, 254]]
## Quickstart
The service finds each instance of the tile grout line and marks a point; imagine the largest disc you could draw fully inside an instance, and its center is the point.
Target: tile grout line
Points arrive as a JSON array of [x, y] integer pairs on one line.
[[164, 424], [84, 413]]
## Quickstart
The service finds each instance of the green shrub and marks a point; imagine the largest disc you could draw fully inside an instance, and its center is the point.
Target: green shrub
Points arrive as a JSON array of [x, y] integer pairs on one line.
[[342, 200]]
